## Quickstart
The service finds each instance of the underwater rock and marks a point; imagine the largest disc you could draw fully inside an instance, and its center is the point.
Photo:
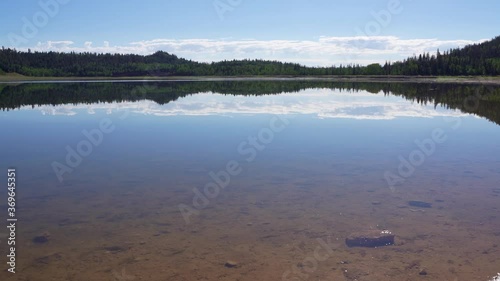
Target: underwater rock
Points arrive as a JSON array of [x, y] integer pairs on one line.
[[496, 278], [231, 264], [114, 249], [41, 239], [420, 204], [371, 239]]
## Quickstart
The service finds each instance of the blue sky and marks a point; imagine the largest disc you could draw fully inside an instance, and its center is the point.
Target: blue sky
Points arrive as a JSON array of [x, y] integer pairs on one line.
[[313, 32]]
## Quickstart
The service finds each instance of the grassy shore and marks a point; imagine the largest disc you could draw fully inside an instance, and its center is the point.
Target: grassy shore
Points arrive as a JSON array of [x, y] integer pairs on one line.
[[17, 78]]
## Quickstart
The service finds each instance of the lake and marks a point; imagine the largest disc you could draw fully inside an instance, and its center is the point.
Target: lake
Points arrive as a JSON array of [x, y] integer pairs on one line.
[[252, 180]]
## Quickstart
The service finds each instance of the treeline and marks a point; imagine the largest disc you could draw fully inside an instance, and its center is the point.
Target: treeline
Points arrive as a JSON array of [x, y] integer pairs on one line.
[[54, 64], [86, 64], [477, 59], [453, 96]]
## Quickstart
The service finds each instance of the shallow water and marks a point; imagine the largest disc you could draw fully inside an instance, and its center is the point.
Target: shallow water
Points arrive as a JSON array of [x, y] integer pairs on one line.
[[171, 180]]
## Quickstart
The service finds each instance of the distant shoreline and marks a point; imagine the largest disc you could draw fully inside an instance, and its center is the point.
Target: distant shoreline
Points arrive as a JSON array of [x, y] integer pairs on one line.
[[18, 79]]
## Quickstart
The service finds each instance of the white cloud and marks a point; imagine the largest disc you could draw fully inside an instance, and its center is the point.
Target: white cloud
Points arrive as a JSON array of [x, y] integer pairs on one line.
[[324, 51], [315, 102]]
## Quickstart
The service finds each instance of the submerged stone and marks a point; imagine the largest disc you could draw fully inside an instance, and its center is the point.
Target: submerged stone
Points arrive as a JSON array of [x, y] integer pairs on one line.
[[231, 264], [41, 239], [371, 239], [420, 204], [423, 272], [114, 249]]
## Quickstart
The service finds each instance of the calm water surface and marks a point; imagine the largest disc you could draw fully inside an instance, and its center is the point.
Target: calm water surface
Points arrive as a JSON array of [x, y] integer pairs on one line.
[[170, 181]]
